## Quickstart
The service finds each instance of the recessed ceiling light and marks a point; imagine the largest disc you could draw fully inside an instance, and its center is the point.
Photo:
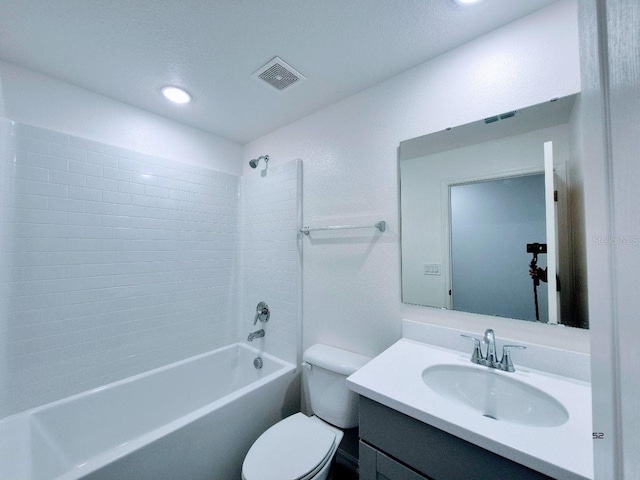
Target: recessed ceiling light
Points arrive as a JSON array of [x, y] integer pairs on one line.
[[176, 94], [467, 2]]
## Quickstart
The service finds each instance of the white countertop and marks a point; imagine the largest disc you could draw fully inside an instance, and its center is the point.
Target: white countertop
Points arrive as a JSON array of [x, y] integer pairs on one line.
[[394, 379]]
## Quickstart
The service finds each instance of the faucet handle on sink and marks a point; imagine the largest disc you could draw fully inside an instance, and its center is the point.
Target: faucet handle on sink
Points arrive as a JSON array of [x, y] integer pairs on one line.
[[476, 357], [506, 364]]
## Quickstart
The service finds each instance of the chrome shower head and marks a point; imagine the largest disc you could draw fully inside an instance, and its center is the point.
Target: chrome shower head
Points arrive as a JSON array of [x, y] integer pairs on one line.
[[254, 163]]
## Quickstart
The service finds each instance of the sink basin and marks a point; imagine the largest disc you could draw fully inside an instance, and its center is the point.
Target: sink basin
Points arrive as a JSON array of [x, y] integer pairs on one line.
[[495, 395]]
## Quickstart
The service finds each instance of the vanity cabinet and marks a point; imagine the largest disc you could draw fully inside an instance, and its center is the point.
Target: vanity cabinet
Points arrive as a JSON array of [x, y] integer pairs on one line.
[[394, 446], [375, 465]]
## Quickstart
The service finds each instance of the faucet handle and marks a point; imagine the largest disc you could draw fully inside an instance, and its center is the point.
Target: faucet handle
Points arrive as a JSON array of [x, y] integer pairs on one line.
[[476, 357], [262, 313], [506, 364]]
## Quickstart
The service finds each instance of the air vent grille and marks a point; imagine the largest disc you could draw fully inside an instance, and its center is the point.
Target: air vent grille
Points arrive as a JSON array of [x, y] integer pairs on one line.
[[279, 75], [502, 116]]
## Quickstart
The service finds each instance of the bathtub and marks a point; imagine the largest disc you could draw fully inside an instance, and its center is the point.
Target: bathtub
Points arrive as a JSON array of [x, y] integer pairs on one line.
[[194, 419]]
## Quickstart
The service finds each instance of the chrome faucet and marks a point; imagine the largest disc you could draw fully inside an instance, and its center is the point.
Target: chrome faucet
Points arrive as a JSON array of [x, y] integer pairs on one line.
[[257, 334], [490, 341], [491, 359]]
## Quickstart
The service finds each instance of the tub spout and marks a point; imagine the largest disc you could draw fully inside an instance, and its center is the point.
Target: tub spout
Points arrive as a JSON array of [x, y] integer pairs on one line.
[[257, 334]]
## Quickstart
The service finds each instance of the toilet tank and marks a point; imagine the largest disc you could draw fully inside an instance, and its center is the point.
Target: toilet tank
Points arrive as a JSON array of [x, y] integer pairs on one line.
[[326, 380]]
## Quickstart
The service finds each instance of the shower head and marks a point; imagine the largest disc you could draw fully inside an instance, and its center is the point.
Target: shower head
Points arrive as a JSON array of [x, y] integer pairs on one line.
[[254, 163]]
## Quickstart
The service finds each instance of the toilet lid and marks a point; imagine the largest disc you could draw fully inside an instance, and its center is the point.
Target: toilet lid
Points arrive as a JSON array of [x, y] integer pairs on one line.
[[289, 450]]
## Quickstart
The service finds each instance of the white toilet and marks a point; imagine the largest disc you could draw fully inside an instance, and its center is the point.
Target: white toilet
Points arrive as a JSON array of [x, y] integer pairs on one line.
[[301, 447]]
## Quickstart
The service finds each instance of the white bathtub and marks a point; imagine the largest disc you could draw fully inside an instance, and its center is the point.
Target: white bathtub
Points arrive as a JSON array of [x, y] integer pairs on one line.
[[194, 419]]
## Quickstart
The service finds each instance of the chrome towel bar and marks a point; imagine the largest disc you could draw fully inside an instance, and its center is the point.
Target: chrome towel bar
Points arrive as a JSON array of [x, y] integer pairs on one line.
[[381, 225]]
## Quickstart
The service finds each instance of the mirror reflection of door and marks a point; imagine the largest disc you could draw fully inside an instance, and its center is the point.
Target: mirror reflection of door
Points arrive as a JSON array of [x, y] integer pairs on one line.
[[491, 224]]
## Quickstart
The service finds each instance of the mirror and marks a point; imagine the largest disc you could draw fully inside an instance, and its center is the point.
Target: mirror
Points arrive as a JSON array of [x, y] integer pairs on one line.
[[478, 234]]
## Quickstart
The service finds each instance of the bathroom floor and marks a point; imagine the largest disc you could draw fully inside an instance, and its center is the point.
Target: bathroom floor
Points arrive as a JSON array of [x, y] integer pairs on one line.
[[342, 473]]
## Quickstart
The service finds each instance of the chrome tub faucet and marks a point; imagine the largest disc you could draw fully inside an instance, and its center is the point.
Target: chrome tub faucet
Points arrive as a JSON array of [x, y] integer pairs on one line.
[[257, 334]]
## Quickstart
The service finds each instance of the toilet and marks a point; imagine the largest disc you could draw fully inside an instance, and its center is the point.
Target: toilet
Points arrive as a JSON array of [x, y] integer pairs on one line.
[[301, 447]]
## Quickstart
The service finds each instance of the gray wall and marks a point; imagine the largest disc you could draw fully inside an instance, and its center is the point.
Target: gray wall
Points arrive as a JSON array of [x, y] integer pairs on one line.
[[491, 223]]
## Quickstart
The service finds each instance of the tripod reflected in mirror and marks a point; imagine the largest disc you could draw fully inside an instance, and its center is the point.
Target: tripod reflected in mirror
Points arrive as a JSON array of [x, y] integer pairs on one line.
[[537, 274]]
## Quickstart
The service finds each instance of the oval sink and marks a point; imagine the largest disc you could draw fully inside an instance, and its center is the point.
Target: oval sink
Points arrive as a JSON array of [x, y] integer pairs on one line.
[[495, 396]]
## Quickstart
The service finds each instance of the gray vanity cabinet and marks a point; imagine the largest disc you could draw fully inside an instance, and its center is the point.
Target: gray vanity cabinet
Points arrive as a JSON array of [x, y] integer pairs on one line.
[[375, 465], [394, 446]]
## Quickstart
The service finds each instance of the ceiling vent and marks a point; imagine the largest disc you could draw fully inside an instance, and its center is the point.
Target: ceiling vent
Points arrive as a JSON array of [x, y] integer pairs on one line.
[[279, 75], [502, 116]]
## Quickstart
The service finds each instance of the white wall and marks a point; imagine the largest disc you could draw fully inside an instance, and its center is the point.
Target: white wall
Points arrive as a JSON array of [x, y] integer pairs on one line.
[[112, 263], [35, 99], [351, 295], [2, 114], [6, 234], [611, 102]]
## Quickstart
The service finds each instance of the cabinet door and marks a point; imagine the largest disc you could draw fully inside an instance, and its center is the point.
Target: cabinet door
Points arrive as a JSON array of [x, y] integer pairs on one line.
[[389, 469], [375, 465]]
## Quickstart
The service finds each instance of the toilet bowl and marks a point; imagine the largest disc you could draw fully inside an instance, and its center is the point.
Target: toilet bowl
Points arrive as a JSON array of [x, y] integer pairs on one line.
[[301, 447]]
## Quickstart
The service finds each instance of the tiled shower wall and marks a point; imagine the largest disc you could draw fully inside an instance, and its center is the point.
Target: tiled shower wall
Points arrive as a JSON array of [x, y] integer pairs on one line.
[[112, 263], [270, 218]]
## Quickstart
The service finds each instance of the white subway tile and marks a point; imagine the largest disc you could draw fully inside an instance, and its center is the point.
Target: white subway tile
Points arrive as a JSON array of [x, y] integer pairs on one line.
[[102, 159], [64, 231], [85, 168], [128, 187], [117, 174], [104, 184], [118, 152], [42, 273], [85, 219], [156, 192], [66, 178], [80, 193], [130, 210], [32, 145], [30, 230], [116, 197], [26, 172], [40, 216], [40, 134], [100, 208], [100, 232], [143, 200], [44, 161], [85, 144], [65, 205], [44, 245], [116, 221], [70, 153], [45, 189]]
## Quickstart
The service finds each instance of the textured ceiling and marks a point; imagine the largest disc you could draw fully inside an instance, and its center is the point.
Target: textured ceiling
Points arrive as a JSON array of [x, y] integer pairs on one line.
[[128, 49]]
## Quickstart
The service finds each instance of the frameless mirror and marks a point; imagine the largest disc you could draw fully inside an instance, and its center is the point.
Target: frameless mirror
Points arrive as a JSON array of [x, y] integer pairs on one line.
[[483, 230]]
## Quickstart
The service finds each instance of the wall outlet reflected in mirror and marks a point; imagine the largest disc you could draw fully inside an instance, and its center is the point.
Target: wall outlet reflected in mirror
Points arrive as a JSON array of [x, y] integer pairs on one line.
[[432, 268]]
